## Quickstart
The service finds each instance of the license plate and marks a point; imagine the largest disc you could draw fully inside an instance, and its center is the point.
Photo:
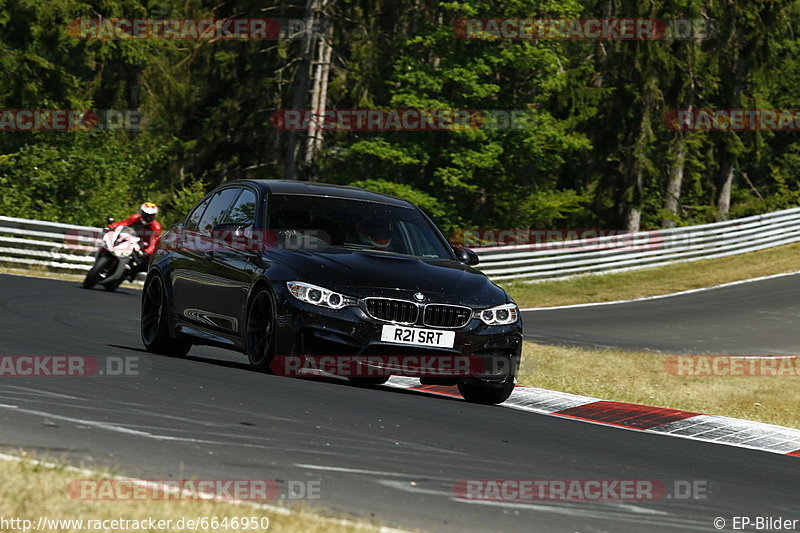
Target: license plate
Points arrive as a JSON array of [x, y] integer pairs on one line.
[[418, 336]]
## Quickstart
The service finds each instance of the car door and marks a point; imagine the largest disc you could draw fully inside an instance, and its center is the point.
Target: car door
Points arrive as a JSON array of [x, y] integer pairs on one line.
[[201, 287], [235, 246], [184, 259]]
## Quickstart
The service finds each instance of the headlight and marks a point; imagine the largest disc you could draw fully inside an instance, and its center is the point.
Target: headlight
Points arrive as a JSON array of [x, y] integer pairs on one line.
[[500, 315], [314, 295]]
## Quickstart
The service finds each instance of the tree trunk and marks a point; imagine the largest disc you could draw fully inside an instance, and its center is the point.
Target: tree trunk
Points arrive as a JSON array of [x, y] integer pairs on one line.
[[319, 93], [724, 184], [301, 87], [632, 212], [724, 181], [634, 168], [677, 150], [675, 178], [633, 218]]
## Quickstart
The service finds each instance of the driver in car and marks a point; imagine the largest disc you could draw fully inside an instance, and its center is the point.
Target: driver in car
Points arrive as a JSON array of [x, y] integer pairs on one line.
[[376, 233]]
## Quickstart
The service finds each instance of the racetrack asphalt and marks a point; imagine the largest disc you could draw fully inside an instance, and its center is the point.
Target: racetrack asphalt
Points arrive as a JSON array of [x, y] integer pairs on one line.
[[758, 318], [381, 453]]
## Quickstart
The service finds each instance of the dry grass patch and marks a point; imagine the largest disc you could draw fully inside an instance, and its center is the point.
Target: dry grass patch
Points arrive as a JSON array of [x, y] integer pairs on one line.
[[40, 272], [30, 491], [654, 281], [641, 377], [44, 273]]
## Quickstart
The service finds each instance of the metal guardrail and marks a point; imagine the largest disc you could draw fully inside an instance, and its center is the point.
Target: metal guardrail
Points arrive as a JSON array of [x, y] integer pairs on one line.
[[70, 248], [62, 247], [52, 246], [644, 249]]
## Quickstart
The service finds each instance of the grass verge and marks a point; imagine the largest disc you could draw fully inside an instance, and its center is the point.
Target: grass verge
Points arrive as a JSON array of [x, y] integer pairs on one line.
[[44, 273], [30, 491], [655, 281], [642, 378]]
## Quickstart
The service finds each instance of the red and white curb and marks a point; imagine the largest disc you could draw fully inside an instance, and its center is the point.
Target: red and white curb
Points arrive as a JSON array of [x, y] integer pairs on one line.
[[631, 416]]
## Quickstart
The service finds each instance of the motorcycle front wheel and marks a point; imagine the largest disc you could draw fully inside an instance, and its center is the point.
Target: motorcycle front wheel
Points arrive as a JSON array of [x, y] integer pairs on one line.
[[114, 285], [99, 270]]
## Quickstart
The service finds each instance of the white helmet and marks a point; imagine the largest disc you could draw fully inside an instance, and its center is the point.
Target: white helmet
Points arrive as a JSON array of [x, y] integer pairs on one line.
[[149, 211]]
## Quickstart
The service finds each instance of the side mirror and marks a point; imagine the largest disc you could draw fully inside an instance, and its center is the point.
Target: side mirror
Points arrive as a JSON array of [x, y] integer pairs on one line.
[[466, 256]]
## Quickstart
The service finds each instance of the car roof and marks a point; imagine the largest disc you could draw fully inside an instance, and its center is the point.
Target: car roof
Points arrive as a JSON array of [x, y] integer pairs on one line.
[[311, 188]]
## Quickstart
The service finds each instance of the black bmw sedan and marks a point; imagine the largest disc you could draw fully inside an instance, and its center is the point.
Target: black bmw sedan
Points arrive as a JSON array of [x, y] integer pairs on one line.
[[286, 270]]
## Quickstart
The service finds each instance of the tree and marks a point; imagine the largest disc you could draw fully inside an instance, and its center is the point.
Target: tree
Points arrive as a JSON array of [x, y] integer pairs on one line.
[[310, 87]]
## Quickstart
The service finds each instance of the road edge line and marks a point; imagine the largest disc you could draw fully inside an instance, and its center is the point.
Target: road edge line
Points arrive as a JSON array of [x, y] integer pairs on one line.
[[662, 296]]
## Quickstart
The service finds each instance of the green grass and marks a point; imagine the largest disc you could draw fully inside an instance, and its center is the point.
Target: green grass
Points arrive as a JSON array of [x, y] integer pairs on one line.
[[655, 281], [641, 377]]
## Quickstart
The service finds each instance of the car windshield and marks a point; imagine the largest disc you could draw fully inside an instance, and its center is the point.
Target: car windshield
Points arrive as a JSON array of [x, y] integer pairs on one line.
[[322, 222]]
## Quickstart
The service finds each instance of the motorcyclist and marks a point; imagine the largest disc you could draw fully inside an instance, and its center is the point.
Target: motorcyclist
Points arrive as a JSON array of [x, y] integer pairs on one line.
[[148, 229]]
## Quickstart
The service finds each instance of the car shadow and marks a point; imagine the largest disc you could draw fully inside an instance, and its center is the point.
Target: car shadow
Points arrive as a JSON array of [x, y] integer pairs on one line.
[[129, 348], [332, 380]]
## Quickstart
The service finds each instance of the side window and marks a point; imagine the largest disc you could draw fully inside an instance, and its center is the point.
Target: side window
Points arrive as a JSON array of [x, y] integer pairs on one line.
[[194, 218], [244, 210], [217, 209]]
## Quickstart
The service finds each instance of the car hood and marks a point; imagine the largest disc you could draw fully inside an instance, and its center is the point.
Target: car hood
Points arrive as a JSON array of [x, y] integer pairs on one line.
[[363, 273]]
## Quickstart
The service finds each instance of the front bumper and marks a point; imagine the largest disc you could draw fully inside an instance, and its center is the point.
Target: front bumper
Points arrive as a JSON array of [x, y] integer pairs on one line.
[[305, 329]]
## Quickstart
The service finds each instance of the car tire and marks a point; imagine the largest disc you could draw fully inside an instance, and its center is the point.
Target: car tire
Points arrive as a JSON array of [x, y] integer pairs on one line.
[[260, 331], [155, 321], [486, 394]]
